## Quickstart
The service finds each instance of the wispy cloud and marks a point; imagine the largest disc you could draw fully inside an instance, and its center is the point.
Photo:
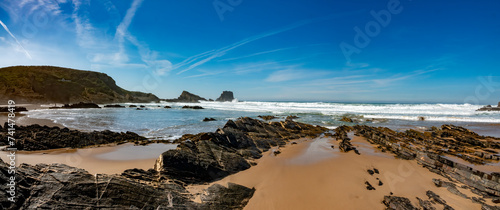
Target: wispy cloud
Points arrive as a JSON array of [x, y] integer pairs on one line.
[[17, 41], [202, 58], [400, 77], [294, 74], [116, 54], [205, 74], [258, 53]]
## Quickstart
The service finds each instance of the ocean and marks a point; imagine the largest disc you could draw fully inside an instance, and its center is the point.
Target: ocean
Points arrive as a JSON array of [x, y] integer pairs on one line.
[[157, 122]]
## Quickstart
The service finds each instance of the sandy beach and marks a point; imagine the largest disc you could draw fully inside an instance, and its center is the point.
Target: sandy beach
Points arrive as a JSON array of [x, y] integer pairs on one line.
[[312, 175]]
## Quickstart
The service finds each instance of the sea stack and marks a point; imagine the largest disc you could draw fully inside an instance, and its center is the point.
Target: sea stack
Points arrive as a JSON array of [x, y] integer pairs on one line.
[[226, 96], [187, 97]]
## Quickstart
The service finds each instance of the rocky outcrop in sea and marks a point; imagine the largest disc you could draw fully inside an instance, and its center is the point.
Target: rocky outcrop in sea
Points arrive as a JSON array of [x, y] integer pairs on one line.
[[490, 108], [187, 97], [226, 96]]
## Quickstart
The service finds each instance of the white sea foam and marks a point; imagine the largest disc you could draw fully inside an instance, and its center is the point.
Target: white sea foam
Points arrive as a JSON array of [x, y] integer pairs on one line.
[[159, 122]]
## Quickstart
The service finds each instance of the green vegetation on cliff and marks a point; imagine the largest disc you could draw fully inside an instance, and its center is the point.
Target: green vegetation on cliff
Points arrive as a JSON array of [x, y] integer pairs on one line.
[[50, 84]]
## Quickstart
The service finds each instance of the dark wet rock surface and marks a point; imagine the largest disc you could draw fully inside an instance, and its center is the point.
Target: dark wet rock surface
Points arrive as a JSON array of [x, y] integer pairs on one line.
[[192, 107], [14, 109], [398, 203], [114, 106], [206, 157], [80, 105], [36, 137], [58, 186]]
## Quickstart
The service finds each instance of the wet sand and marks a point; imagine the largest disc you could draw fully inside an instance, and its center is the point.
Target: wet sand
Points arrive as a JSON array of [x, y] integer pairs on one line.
[[312, 175], [110, 159]]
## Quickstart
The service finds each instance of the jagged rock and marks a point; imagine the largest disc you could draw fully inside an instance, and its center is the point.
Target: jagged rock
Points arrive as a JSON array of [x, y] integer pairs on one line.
[[36, 137], [208, 119], [490, 108], [192, 107], [426, 205], [226, 96], [371, 172], [345, 143], [15, 109], [380, 183], [369, 186], [206, 157], [429, 150], [292, 117], [266, 117], [132, 106], [398, 203], [346, 119], [435, 197], [187, 97], [58, 186], [167, 107], [233, 197], [114, 106], [276, 152]]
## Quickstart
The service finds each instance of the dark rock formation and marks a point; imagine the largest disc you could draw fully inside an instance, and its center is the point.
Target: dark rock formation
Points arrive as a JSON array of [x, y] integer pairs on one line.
[[80, 105], [398, 203], [50, 84], [36, 137], [192, 107], [167, 107], [425, 204], [345, 142], [490, 108], [208, 119], [187, 97], [15, 109], [210, 156], [58, 186], [266, 117], [132, 106], [369, 186], [114, 106], [435, 197], [346, 119], [226, 96], [431, 148]]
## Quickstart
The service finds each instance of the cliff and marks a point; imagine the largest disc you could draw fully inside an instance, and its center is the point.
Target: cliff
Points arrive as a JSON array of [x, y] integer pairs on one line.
[[50, 84]]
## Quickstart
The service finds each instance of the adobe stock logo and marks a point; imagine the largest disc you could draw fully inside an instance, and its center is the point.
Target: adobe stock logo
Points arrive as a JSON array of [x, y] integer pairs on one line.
[[362, 38], [223, 6]]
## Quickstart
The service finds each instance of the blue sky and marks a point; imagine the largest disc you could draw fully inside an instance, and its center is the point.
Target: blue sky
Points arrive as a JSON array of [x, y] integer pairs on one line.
[[318, 50]]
